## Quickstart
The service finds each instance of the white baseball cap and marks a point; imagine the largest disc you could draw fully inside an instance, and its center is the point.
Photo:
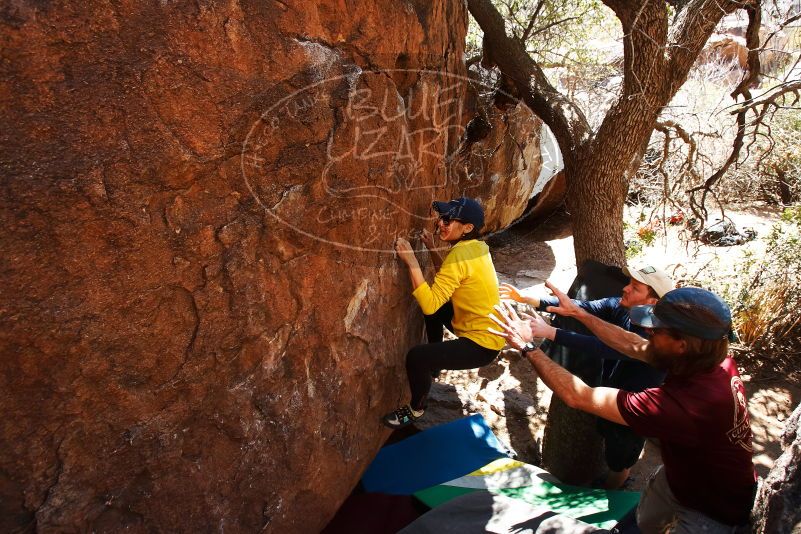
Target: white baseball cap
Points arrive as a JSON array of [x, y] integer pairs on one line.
[[656, 279]]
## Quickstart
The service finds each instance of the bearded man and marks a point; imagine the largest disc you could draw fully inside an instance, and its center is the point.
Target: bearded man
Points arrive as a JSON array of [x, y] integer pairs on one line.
[[699, 414]]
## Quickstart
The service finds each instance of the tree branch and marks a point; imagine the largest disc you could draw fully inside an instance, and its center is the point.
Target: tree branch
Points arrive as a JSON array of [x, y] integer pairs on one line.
[[769, 97], [644, 91], [563, 116], [532, 20], [766, 101], [666, 126], [694, 24], [699, 208], [554, 23], [625, 10], [781, 27], [752, 42]]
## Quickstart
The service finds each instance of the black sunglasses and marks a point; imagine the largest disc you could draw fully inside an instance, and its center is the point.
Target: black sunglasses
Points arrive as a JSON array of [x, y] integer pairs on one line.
[[672, 332], [448, 220]]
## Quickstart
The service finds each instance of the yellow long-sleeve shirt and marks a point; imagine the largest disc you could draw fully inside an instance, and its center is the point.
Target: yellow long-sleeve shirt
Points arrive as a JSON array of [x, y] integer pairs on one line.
[[467, 278]]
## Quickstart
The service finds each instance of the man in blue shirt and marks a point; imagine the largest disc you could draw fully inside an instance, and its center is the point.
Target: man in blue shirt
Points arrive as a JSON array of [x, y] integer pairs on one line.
[[622, 447]]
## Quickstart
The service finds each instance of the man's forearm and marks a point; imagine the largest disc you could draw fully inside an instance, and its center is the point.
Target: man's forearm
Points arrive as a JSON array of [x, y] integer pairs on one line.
[[573, 391], [564, 384], [621, 340]]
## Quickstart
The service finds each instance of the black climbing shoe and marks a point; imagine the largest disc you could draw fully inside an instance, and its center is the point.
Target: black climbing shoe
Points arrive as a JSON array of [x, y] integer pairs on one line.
[[402, 417]]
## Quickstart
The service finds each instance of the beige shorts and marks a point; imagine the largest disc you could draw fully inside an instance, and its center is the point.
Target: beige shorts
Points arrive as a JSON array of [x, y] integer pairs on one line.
[[660, 512]]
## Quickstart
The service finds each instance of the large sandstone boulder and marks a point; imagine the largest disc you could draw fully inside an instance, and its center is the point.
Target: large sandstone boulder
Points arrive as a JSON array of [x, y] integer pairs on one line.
[[201, 319], [505, 163]]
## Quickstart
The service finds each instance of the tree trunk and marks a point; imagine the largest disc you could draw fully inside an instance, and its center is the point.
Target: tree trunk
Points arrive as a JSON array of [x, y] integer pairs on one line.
[[571, 447], [658, 55], [579, 462], [595, 203]]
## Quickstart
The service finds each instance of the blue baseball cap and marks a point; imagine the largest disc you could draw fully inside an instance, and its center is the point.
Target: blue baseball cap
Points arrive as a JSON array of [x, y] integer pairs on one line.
[[690, 310], [464, 209]]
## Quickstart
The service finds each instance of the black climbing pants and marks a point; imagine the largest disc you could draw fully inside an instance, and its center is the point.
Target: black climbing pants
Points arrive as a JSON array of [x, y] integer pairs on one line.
[[438, 319], [461, 353]]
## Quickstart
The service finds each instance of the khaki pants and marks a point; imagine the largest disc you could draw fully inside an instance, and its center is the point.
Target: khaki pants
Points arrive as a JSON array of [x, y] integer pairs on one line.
[[660, 512]]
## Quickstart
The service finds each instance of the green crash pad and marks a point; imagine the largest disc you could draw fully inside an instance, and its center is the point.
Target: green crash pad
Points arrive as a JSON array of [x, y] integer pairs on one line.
[[510, 478]]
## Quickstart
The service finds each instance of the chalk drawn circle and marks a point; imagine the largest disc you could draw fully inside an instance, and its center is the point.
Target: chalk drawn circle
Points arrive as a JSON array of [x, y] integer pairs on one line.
[[299, 106]]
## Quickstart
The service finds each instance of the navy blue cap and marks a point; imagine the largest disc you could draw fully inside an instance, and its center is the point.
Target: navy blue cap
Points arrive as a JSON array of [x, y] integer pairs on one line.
[[690, 310], [464, 209]]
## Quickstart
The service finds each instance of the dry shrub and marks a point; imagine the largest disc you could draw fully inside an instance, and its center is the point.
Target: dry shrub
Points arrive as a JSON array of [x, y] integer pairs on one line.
[[766, 297], [695, 135], [767, 322]]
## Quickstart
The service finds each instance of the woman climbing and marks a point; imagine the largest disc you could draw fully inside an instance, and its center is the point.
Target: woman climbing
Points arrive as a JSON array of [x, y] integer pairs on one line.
[[462, 297]]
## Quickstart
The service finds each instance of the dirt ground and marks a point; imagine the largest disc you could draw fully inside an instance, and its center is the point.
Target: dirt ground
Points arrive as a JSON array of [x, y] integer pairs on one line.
[[515, 403]]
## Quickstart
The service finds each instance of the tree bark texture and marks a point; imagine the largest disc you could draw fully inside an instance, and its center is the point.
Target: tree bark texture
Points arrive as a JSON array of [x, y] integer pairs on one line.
[[571, 447]]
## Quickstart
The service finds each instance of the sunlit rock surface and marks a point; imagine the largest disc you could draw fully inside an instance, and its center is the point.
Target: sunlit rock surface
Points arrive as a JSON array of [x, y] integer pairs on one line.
[[778, 502], [201, 320]]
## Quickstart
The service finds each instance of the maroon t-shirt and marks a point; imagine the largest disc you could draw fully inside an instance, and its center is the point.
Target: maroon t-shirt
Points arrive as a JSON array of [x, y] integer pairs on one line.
[[704, 431]]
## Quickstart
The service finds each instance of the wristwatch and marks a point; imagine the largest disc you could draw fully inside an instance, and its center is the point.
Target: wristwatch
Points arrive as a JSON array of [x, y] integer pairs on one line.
[[528, 347]]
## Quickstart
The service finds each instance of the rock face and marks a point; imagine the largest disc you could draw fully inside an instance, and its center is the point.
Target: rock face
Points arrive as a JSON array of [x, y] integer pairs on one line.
[[201, 320], [778, 502], [506, 162]]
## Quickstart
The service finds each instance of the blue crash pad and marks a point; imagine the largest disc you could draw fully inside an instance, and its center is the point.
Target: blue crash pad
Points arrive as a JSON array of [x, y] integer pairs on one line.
[[433, 456]]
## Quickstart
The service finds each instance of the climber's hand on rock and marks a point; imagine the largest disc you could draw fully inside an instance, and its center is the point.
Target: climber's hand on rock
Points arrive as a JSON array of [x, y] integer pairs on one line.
[[404, 250]]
